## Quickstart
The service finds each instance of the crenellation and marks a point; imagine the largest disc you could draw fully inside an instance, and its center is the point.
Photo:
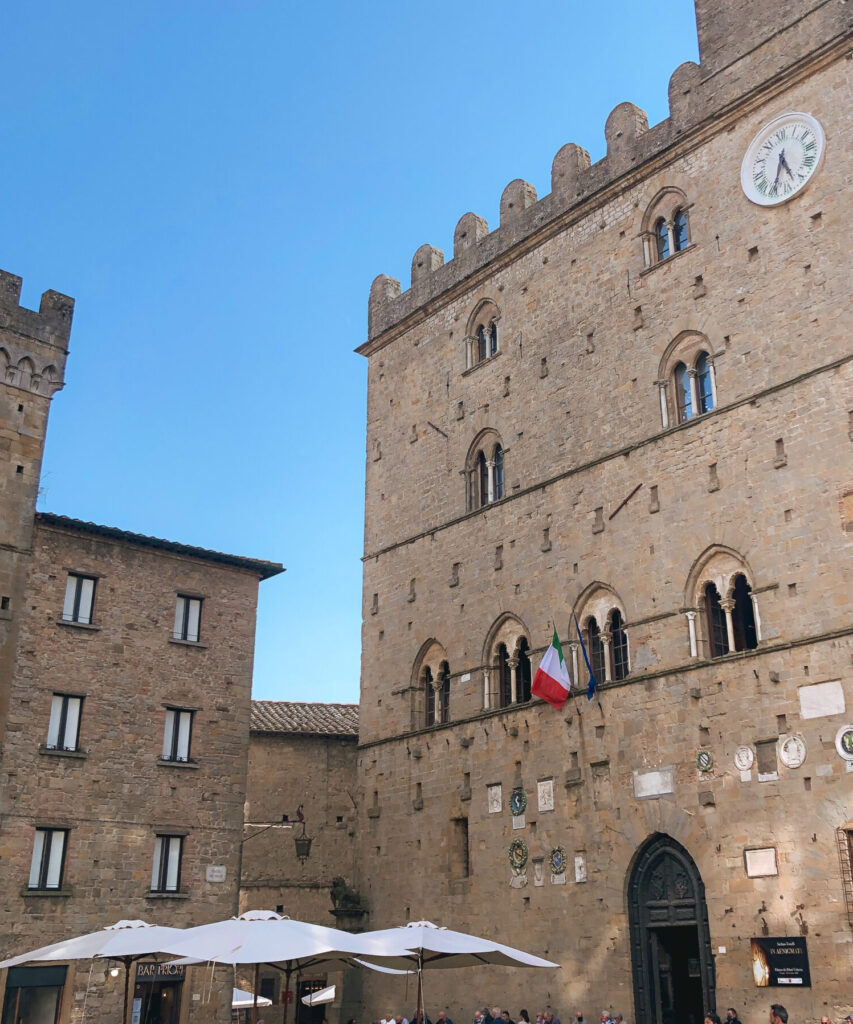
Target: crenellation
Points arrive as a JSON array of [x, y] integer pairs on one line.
[[729, 72], [51, 324], [470, 230]]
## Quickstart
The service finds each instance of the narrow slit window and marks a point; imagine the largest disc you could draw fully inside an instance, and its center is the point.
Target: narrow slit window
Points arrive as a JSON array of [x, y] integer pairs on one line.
[[493, 339], [187, 618], [743, 616], [618, 645], [483, 473], [683, 398], [499, 472], [504, 678], [429, 696], [679, 230], [482, 344], [523, 676], [444, 676], [79, 599], [596, 650], [662, 239], [704, 388], [177, 734], [48, 863], [63, 730], [718, 641], [166, 869]]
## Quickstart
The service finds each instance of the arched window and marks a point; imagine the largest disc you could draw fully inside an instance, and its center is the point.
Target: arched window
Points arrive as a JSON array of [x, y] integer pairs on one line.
[[683, 397], [618, 645], [679, 230], [482, 344], [523, 676], [743, 616], [493, 338], [483, 477], [504, 678], [429, 696], [595, 648], [704, 388], [718, 641], [662, 239], [499, 472], [444, 689]]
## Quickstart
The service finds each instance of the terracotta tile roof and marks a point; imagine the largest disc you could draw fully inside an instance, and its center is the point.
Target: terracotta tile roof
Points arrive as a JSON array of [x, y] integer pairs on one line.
[[285, 716], [257, 566]]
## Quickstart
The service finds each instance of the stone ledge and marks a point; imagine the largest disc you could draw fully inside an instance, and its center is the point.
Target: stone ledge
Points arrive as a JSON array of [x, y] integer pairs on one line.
[[483, 362], [167, 896], [67, 891], [187, 643], [79, 755], [78, 625], [668, 260], [164, 762]]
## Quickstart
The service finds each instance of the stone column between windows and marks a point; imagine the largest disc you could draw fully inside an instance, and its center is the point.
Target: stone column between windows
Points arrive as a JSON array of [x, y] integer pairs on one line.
[[691, 629], [437, 699], [513, 680], [713, 374], [486, 693], [671, 236], [756, 616], [647, 253], [727, 604], [490, 466], [664, 415], [469, 353], [694, 394], [574, 649], [606, 639]]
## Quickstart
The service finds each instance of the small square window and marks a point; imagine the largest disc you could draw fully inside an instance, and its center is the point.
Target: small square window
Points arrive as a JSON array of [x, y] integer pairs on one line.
[[48, 863], [177, 734], [187, 618], [166, 869], [63, 730], [79, 599]]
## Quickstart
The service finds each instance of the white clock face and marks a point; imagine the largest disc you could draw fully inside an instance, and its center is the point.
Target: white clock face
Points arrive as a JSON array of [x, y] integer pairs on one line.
[[782, 159]]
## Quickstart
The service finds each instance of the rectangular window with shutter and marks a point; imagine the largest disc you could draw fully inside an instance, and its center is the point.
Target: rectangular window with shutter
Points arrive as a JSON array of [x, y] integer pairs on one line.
[[63, 730], [166, 869], [48, 863], [177, 734], [187, 618], [79, 599]]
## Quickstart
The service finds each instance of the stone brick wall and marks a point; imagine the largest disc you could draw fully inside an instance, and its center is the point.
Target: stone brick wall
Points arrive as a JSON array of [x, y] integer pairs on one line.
[[119, 793], [603, 496]]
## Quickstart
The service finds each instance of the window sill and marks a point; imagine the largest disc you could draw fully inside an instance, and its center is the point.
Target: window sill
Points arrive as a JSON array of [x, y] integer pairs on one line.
[[187, 643], [78, 625], [79, 755], [668, 260], [483, 362], [67, 891], [164, 762], [167, 895]]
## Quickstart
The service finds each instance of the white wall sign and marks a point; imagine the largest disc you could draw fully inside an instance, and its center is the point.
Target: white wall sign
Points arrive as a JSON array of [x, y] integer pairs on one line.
[[215, 873], [545, 792], [819, 700], [495, 802], [760, 863], [580, 869], [648, 785], [792, 751]]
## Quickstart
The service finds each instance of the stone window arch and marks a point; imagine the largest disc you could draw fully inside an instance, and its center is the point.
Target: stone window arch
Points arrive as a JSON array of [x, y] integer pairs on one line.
[[484, 470], [506, 656], [720, 606], [601, 614], [666, 226], [481, 335], [686, 379], [430, 686]]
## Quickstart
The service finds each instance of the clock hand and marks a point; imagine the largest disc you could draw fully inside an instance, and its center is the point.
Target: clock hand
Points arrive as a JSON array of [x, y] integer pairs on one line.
[[784, 163], [778, 170]]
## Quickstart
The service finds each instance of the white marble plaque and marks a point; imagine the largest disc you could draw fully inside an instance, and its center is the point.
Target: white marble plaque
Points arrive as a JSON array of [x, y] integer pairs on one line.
[[558, 879], [538, 873], [746, 776], [648, 785], [465, 677], [214, 873], [495, 801], [819, 700], [518, 821], [518, 881], [580, 869], [545, 791], [760, 863]]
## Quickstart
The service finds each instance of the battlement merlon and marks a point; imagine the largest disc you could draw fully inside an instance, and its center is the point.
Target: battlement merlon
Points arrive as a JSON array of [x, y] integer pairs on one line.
[[744, 46], [51, 325]]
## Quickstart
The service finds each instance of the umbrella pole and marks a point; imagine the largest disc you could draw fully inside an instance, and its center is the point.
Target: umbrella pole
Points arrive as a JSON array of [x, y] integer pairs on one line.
[[287, 973], [420, 1016], [255, 994]]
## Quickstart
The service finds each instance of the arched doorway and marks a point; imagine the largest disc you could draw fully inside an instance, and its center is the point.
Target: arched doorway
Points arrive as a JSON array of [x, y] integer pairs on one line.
[[671, 956]]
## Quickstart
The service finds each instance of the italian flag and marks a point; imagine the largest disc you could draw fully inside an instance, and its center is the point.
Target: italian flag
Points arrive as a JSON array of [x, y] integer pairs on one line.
[[552, 681]]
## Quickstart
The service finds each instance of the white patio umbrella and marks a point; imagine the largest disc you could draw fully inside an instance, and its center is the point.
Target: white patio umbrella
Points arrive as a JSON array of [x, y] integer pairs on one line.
[[426, 945], [241, 1000], [325, 995], [262, 937], [125, 940]]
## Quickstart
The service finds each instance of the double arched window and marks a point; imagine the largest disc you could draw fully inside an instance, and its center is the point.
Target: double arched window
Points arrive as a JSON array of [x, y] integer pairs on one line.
[[687, 381], [485, 471], [724, 614], [431, 687], [508, 671], [694, 388], [608, 650], [666, 226], [481, 337]]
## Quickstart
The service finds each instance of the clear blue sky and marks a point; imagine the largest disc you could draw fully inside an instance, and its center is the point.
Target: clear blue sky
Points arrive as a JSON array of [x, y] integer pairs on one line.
[[217, 184]]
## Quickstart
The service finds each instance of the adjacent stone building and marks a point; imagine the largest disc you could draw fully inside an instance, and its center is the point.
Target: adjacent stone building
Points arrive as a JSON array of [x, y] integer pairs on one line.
[[627, 407], [302, 765], [124, 719]]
